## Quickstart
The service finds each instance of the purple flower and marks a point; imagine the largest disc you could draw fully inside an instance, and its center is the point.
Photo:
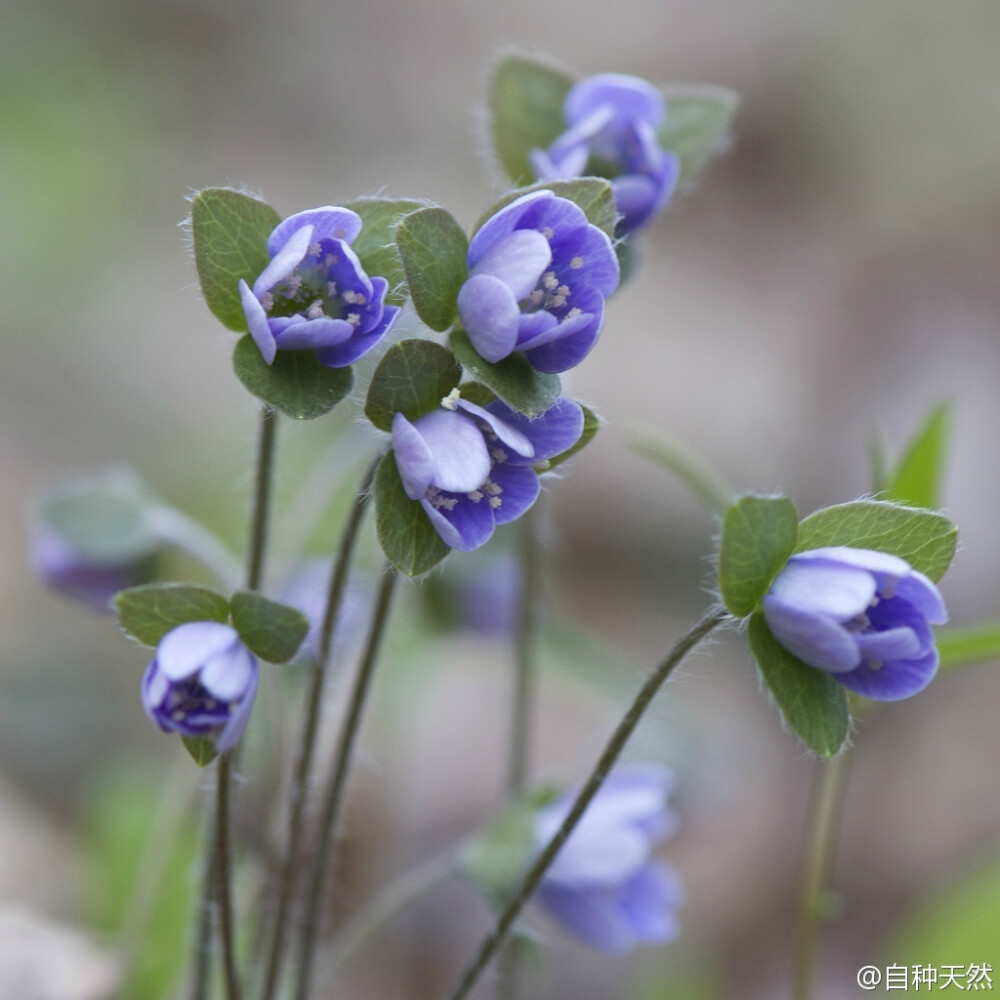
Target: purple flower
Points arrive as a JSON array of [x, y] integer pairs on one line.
[[201, 683], [314, 295], [472, 467], [604, 887], [863, 616], [612, 121], [539, 273]]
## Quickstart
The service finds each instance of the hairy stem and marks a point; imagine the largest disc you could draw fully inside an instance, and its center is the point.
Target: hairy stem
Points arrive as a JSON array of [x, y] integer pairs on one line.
[[335, 790], [825, 809], [307, 744], [609, 756]]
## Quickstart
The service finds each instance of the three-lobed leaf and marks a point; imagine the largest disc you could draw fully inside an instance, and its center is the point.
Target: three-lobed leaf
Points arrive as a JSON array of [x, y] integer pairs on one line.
[[270, 630], [516, 382], [412, 378], [696, 123], [758, 536], [812, 703], [526, 112], [433, 249], [924, 539], [296, 383], [229, 231], [149, 612], [376, 243], [404, 531]]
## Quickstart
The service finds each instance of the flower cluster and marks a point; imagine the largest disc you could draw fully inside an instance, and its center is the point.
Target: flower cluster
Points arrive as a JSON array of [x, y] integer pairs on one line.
[[612, 121], [472, 467], [202, 682], [860, 615], [314, 294], [604, 886], [539, 273]]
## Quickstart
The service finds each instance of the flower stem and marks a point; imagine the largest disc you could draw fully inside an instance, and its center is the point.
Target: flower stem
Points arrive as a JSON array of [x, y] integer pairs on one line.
[[522, 701], [609, 756], [387, 903], [223, 886], [307, 744], [177, 528], [335, 791], [825, 809]]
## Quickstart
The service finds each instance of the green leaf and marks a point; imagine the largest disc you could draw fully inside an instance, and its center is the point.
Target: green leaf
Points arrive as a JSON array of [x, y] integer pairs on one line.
[[917, 479], [405, 533], [592, 423], [149, 612], [520, 386], [593, 195], [758, 536], [433, 249], [476, 392], [229, 231], [201, 748], [696, 123], [103, 517], [271, 630], [412, 378], [964, 645], [924, 539], [813, 704], [296, 384], [526, 112], [376, 244]]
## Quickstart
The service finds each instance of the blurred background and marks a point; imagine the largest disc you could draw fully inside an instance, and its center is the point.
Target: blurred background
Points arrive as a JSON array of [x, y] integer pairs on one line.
[[832, 277]]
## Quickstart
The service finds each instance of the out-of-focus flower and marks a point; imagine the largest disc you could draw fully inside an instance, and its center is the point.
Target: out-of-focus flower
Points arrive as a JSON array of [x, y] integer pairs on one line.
[[91, 537], [612, 121], [604, 887], [471, 467], [860, 615], [314, 295], [539, 273], [202, 682]]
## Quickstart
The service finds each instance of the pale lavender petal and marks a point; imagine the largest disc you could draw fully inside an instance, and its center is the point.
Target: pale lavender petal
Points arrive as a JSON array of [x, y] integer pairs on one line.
[[813, 638], [892, 682], [227, 674], [184, 649], [598, 853], [360, 344], [517, 260], [598, 266], [154, 689], [649, 901], [630, 96], [549, 333], [489, 313], [869, 560], [328, 222], [310, 334], [520, 489], [286, 260], [504, 222], [577, 136], [569, 349], [834, 589], [508, 434], [892, 644], [591, 917], [257, 323], [461, 461], [637, 198], [413, 457], [466, 526], [919, 591], [233, 729]]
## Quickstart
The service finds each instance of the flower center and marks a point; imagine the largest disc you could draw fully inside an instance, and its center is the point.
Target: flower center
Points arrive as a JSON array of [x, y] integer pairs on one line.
[[314, 289]]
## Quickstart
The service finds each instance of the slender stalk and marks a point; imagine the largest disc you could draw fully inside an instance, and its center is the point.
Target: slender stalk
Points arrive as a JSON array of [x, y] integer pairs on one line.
[[825, 810], [397, 895], [177, 528], [522, 701], [206, 907], [606, 761], [335, 790], [218, 886], [307, 745]]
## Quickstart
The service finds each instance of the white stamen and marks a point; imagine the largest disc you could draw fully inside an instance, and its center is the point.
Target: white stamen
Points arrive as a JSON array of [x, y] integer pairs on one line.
[[549, 280], [495, 503], [576, 263], [573, 313], [491, 489], [354, 319], [315, 311], [177, 716], [547, 232], [874, 664], [475, 496], [315, 249], [331, 288], [292, 286], [267, 301], [536, 297], [450, 402], [499, 454]]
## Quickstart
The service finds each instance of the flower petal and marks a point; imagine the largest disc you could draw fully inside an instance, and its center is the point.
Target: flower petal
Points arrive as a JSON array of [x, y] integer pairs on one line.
[[503, 429], [466, 526], [286, 260], [360, 344], [649, 902], [520, 489], [919, 591], [414, 459], [836, 590], [570, 348], [311, 334], [598, 265], [815, 639], [227, 675], [489, 313], [518, 260], [233, 729], [630, 96], [461, 461], [892, 681], [184, 649], [257, 323], [154, 690], [590, 916], [328, 222], [502, 223], [553, 432]]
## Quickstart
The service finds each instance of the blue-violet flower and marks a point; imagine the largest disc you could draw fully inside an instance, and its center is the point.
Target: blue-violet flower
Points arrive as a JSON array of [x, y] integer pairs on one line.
[[604, 887], [612, 121], [539, 273], [202, 683], [472, 467], [314, 294], [861, 615]]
